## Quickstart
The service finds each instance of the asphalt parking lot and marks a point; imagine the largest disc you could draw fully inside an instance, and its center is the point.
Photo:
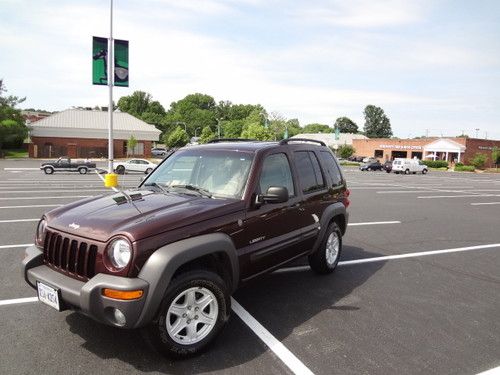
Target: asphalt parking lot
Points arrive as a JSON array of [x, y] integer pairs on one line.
[[417, 290]]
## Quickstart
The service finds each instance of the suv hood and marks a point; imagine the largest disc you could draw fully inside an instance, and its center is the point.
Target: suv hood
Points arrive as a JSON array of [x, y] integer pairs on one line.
[[149, 213]]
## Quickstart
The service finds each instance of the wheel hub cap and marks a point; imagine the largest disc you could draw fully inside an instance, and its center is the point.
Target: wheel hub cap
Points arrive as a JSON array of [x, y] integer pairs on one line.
[[332, 248], [192, 315]]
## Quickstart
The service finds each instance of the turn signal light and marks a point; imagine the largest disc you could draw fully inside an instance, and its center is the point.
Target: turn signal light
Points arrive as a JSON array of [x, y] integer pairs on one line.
[[122, 294]]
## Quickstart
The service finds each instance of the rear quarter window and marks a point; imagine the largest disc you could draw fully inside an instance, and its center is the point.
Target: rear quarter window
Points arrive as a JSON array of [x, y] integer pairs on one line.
[[331, 167]]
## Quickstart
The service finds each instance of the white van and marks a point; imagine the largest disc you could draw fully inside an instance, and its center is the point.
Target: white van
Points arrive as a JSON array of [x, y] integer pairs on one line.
[[407, 166]]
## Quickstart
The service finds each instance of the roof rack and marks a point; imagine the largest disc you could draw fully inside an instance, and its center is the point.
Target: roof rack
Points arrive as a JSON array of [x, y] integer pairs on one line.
[[217, 140], [287, 141]]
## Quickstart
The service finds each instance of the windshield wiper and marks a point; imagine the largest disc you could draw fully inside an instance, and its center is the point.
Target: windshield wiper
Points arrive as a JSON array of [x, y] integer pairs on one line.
[[197, 189]]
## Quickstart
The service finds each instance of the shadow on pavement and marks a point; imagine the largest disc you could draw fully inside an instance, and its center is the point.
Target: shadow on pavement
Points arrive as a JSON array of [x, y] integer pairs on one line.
[[290, 298]]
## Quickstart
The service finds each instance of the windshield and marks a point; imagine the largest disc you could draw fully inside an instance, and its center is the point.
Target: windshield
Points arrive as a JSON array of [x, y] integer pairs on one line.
[[219, 173]]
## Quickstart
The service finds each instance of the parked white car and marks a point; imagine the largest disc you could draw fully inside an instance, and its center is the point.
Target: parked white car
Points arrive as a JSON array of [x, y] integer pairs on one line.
[[134, 165], [407, 166]]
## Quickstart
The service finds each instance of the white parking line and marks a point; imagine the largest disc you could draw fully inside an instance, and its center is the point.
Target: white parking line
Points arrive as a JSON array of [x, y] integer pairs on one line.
[[17, 220], [21, 169], [18, 300], [288, 358], [459, 196], [14, 246], [373, 223], [51, 191], [398, 256], [493, 371], [484, 203], [31, 198], [32, 206]]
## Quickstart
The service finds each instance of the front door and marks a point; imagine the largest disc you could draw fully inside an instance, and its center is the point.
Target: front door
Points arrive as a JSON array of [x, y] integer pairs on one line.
[[272, 232]]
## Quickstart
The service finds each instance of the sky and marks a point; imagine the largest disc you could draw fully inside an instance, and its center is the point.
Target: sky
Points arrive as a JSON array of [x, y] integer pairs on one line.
[[433, 66]]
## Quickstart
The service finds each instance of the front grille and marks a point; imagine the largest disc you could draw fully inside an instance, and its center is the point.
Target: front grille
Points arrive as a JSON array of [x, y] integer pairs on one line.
[[70, 255]]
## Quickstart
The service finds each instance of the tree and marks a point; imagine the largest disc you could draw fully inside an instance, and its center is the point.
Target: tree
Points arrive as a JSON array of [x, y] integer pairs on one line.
[[495, 156], [377, 124], [478, 160], [206, 135], [232, 128], [13, 130], [195, 110], [131, 143], [141, 105], [346, 125], [317, 128], [345, 151], [178, 138], [258, 132]]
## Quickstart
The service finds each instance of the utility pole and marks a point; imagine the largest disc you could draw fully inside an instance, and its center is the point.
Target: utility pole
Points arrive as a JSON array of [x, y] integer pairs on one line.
[[110, 84], [477, 132]]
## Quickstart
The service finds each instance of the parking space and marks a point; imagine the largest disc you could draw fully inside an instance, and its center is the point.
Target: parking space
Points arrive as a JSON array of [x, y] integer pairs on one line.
[[420, 313]]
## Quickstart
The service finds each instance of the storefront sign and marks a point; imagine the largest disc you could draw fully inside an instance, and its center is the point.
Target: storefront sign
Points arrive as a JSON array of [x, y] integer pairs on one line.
[[485, 148], [401, 147]]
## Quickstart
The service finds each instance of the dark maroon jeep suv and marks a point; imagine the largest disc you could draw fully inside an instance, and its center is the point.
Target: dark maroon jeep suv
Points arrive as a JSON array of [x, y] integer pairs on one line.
[[165, 257]]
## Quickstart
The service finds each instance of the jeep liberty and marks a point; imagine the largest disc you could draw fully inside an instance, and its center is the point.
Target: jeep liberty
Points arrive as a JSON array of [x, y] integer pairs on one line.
[[165, 257]]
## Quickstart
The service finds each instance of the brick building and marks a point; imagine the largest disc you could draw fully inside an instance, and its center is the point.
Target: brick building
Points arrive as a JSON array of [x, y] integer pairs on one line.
[[450, 149], [82, 133]]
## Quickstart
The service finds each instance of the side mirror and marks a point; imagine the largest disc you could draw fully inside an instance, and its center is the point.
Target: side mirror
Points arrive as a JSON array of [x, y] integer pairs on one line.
[[275, 194]]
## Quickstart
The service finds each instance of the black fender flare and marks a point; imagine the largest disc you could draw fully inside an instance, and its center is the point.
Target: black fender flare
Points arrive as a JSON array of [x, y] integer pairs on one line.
[[163, 263], [335, 210]]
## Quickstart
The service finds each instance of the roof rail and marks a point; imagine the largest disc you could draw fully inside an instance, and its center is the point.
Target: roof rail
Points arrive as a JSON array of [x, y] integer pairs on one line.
[[287, 141], [217, 140]]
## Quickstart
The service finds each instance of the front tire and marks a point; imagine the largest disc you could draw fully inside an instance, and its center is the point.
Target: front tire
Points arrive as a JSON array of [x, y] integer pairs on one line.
[[424, 171], [193, 312], [82, 170], [48, 170], [148, 171], [325, 259], [120, 169], [407, 171]]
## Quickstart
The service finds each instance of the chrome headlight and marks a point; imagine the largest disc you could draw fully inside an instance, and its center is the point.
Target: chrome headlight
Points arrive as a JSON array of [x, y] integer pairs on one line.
[[41, 229], [119, 253]]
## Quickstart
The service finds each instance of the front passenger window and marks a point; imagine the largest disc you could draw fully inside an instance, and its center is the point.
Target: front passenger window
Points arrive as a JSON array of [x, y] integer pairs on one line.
[[276, 172]]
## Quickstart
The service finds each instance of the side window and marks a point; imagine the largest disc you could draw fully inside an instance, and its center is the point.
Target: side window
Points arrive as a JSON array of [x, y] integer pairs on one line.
[[309, 171], [331, 167], [276, 172]]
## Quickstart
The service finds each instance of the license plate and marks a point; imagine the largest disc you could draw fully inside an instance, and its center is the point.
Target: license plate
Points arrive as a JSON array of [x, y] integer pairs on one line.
[[48, 295]]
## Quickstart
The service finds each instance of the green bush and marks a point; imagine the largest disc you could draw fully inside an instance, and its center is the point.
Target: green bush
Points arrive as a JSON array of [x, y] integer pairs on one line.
[[435, 163], [478, 160], [459, 165], [345, 151], [464, 168]]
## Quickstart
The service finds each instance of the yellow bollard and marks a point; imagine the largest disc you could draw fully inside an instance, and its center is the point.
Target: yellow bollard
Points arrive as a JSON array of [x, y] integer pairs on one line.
[[111, 180]]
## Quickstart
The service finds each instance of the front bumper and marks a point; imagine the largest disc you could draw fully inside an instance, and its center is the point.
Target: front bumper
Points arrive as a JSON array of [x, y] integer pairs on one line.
[[86, 297]]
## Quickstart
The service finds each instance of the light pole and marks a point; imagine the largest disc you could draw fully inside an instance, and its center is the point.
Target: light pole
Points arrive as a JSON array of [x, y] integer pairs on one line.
[[218, 126], [196, 130], [181, 123], [477, 132]]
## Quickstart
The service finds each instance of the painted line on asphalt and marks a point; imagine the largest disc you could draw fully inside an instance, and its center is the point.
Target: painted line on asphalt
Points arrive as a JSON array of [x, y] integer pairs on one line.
[[484, 203], [13, 246], [288, 358], [21, 169], [102, 178], [398, 256], [51, 191], [373, 223], [493, 371], [18, 300], [32, 206], [459, 196], [32, 198], [17, 220]]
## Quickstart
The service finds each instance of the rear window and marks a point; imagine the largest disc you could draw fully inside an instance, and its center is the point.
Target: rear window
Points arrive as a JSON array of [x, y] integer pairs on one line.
[[309, 171]]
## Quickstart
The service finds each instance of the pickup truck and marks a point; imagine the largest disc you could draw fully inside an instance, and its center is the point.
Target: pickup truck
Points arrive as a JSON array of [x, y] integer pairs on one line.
[[64, 164]]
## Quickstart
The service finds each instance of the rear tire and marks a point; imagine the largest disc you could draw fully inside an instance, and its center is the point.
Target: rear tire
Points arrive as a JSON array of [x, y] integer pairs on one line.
[[48, 170], [120, 169], [149, 170], [407, 171], [82, 170], [193, 312], [424, 171], [325, 259]]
